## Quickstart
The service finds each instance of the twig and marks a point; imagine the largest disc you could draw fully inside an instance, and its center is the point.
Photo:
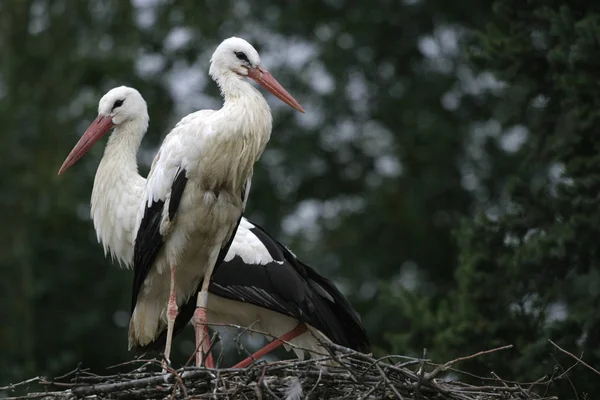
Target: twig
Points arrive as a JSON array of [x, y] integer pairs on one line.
[[575, 357], [236, 339], [264, 382], [75, 371], [217, 378], [315, 385], [421, 370], [13, 386], [257, 387], [136, 361], [179, 383], [420, 374], [389, 384], [568, 378], [442, 368]]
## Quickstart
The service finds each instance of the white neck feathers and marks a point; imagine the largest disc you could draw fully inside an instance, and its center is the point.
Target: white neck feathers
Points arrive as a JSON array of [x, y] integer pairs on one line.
[[118, 190]]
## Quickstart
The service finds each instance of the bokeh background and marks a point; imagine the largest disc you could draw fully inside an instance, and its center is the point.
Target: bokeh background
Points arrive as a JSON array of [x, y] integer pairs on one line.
[[446, 174]]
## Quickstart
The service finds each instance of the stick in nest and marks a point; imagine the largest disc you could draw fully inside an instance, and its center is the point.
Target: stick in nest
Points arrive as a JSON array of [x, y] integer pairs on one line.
[[380, 379], [575, 357], [444, 367]]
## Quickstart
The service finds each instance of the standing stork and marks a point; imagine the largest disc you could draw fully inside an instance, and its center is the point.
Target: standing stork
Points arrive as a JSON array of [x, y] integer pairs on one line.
[[195, 194], [259, 279]]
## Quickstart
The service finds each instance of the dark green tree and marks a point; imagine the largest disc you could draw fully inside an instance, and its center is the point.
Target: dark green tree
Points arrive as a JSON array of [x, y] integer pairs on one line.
[[59, 295], [529, 264]]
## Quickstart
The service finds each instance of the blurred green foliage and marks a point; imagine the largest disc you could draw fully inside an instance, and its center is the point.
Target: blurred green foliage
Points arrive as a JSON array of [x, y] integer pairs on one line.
[[445, 174], [529, 272]]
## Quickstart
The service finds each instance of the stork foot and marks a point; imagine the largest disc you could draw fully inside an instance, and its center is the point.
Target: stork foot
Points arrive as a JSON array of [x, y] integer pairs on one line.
[[202, 338], [166, 364], [297, 331]]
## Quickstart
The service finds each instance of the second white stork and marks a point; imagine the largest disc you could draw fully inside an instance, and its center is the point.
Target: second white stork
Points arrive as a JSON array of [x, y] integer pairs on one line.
[[195, 194]]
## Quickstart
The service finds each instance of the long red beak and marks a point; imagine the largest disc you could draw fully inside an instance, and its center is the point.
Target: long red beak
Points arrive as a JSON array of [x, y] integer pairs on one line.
[[96, 130], [266, 80]]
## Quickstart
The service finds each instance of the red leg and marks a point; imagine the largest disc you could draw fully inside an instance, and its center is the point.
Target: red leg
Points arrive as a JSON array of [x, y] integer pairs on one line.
[[200, 315], [171, 315], [202, 336], [209, 359], [297, 331]]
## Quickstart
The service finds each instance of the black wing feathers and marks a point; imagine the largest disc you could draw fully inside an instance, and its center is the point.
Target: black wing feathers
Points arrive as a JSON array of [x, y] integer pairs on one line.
[[146, 247], [346, 322], [338, 319], [177, 188], [236, 280], [149, 241]]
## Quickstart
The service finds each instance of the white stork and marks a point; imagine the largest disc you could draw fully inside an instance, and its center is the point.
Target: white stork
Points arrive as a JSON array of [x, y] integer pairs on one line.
[[195, 194], [259, 279]]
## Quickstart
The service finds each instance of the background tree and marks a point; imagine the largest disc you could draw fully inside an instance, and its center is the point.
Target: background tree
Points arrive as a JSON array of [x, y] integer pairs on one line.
[[529, 261]]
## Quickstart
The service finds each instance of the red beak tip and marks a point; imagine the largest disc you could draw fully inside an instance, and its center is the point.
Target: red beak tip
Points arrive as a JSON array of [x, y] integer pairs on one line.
[[62, 169]]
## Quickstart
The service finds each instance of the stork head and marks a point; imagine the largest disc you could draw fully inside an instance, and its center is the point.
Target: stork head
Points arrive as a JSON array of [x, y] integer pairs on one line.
[[122, 104], [117, 107], [235, 57]]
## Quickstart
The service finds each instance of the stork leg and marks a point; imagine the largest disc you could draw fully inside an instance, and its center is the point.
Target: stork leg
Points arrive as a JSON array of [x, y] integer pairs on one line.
[[202, 338], [171, 316], [297, 331]]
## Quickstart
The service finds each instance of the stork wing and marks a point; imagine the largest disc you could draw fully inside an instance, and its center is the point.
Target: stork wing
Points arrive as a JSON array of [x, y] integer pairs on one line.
[[150, 239], [261, 271], [164, 189]]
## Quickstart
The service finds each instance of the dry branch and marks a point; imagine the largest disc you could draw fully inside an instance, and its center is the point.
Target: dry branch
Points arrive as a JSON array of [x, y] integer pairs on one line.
[[578, 359], [347, 375]]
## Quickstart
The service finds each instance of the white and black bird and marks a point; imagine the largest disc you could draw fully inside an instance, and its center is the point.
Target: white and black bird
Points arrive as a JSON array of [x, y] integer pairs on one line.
[[195, 194], [263, 279]]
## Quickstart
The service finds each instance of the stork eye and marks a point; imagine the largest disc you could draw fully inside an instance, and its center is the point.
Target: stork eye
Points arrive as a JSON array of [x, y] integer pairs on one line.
[[242, 56], [118, 103]]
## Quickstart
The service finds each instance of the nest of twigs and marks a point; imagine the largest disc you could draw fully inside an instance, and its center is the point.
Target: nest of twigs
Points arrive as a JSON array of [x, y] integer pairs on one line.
[[345, 374]]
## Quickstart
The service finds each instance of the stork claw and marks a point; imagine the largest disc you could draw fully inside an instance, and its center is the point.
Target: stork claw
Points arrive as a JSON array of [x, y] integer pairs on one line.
[[166, 365]]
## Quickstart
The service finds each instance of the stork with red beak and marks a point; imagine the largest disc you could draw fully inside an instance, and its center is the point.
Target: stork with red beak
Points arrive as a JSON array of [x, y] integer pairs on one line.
[[259, 283], [193, 200]]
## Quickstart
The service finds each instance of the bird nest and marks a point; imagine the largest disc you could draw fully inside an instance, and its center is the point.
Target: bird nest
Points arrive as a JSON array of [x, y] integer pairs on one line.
[[344, 374]]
